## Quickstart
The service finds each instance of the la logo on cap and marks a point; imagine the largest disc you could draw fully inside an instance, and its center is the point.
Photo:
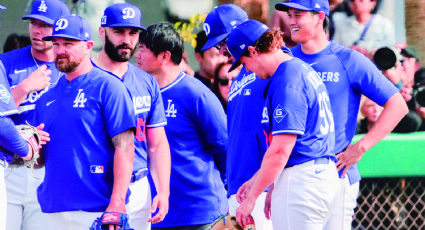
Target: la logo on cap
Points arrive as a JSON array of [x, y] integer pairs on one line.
[[207, 28], [317, 5], [103, 20], [61, 24], [42, 7], [128, 13], [242, 46]]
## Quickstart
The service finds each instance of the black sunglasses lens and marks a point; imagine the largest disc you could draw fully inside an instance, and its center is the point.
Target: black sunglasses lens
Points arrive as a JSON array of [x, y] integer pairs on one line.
[[223, 81]]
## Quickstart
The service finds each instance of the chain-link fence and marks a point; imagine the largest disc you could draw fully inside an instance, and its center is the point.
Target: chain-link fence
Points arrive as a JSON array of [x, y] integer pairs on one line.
[[391, 203]]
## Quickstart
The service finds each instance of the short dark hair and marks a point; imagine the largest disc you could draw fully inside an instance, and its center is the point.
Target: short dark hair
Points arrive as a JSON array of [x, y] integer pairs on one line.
[[201, 39], [325, 22], [163, 37]]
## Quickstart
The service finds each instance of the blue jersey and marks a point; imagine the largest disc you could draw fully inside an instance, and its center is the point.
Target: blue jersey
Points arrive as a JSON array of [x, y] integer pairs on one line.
[[82, 117], [347, 75], [197, 134], [19, 64], [148, 108], [297, 103], [244, 109], [10, 140], [7, 104]]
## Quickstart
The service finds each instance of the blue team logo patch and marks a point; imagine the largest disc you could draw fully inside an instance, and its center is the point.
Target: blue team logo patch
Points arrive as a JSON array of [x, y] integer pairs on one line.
[[4, 94], [96, 168], [279, 113]]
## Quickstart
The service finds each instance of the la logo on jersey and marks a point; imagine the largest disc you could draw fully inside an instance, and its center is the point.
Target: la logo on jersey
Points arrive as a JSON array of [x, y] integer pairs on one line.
[[171, 111], [128, 13], [42, 7], [265, 116], [4, 94], [80, 99]]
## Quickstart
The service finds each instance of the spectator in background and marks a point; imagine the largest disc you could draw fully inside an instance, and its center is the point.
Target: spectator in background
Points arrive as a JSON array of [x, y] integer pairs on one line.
[[371, 112], [417, 102], [15, 41], [365, 30], [280, 21], [222, 81], [208, 60], [184, 65]]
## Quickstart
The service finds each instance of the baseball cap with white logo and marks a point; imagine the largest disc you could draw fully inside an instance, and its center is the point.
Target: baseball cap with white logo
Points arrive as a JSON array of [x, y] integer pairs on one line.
[[220, 21], [72, 27], [305, 5], [48, 11], [244, 35], [122, 15], [3, 7]]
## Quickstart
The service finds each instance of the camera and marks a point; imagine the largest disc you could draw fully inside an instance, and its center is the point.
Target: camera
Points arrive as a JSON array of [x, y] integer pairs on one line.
[[418, 95], [386, 57]]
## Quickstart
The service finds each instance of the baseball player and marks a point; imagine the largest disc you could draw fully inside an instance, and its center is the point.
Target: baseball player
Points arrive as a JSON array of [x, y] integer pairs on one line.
[[120, 35], [90, 117], [196, 130], [244, 106], [296, 115], [347, 75], [31, 72]]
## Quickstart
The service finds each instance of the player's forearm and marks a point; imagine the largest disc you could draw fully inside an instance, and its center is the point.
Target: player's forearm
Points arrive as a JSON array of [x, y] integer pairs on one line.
[[10, 138], [159, 159], [273, 163], [123, 169], [20, 92], [394, 110]]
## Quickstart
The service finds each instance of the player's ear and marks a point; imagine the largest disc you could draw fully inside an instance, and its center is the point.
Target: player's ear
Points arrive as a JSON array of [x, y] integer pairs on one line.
[[102, 33], [165, 56], [90, 45], [252, 51]]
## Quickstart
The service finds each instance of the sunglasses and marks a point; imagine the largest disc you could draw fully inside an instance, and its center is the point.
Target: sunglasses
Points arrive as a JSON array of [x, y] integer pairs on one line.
[[223, 81], [221, 44]]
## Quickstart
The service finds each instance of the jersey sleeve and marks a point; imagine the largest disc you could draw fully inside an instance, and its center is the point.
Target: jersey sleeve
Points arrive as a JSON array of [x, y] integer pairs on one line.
[[118, 108], [288, 110], [368, 79], [211, 120], [157, 115], [7, 104], [10, 140]]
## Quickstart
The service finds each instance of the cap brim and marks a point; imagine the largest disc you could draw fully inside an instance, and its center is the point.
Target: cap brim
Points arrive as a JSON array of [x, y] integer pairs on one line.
[[125, 25], [214, 41], [39, 17], [235, 65], [285, 6], [49, 38]]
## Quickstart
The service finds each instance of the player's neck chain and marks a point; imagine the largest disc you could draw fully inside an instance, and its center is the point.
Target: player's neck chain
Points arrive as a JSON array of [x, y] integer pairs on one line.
[[36, 63]]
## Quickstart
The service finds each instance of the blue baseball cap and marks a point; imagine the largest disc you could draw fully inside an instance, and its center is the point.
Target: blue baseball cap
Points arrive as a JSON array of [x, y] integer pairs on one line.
[[305, 5], [72, 27], [122, 15], [220, 21], [3, 8], [48, 11], [244, 35]]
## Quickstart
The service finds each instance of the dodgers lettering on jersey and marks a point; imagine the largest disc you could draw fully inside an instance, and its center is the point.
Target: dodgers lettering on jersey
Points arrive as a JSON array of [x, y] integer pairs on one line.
[[347, 75], [297, 103], [197, 134], [82, 117], [148, 109], [244, 114], [19, 64]]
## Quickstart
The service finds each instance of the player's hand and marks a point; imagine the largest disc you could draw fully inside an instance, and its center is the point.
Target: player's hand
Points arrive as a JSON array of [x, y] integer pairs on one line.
[[30, 153], [268, 203], [115, 207], [44, 136], [244, 210], [243, 191], [160, 202], [38, 79], [349, 157]]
